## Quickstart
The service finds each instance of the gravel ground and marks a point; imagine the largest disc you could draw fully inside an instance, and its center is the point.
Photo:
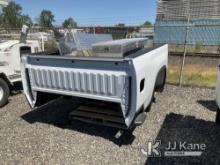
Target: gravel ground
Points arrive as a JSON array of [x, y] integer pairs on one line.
[[44, 136]]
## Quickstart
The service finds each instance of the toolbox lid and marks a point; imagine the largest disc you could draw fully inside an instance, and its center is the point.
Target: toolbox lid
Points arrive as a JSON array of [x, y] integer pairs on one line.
[[118, 48]]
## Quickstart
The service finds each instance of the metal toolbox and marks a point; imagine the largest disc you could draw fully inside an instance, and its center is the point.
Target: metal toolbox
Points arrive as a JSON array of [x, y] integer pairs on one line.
[[118, 48]]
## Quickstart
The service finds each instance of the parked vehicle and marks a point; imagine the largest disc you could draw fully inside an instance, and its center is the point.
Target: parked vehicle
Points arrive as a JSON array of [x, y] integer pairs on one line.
[[117, 83], [10, 58]]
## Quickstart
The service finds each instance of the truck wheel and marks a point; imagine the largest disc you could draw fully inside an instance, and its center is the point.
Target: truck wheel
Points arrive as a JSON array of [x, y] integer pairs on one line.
[[218, 117], [161, 80], [4, 92]]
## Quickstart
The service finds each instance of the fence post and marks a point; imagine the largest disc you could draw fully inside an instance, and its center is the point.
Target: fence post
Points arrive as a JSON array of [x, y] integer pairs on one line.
[[184, 53]]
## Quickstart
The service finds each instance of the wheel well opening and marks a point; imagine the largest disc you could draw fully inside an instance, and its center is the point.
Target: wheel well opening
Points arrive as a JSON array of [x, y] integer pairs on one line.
[[4, 77], [161, 79]]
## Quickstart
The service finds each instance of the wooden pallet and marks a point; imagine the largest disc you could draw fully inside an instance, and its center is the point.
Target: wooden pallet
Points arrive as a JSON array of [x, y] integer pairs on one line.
[[99, 114]]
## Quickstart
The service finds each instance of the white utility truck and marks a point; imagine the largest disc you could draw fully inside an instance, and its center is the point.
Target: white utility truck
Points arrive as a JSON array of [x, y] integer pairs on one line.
[[116, 82], [10, 58]]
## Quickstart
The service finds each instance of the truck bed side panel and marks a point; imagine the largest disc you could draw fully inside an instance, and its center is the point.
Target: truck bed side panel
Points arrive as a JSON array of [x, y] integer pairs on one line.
[[146, 68]]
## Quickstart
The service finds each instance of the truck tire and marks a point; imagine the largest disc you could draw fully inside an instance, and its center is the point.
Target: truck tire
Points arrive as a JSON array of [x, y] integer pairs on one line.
[[218, 117], [161, 80], [4, 92]]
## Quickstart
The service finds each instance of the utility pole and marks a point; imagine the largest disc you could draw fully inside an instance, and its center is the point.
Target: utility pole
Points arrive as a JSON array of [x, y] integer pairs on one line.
[[185, 45]]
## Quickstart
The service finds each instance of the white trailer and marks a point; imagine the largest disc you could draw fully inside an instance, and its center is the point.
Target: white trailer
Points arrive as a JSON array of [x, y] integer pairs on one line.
[[117, 83], [10, 71]]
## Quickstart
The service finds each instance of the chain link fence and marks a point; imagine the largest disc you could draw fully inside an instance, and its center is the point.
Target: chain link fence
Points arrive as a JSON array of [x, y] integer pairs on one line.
[[194, 48], [192, 30]]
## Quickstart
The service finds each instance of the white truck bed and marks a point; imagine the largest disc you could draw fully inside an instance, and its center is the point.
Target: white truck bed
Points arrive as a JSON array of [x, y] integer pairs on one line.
[[128, 82]]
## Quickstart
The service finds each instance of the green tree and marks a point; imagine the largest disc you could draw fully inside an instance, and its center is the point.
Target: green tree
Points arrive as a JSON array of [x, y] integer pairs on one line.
[[69, 23], [11, 15], [147, 23], [46, 19], [25, 19], [120, 25]]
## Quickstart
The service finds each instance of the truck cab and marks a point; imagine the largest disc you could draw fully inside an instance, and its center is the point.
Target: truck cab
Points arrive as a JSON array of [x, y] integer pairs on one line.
[[10, 70]]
